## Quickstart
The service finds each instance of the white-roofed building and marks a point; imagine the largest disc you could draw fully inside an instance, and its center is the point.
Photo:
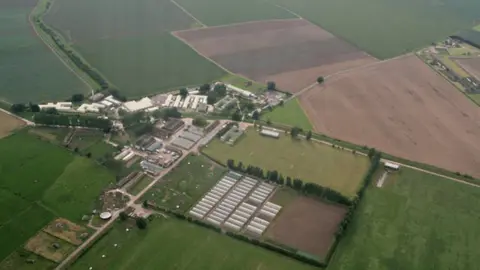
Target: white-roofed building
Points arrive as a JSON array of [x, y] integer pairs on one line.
[[392, 166], [140, 105], [240, 91], [88, 108], [59, 106], [270, 133], [113, 100]]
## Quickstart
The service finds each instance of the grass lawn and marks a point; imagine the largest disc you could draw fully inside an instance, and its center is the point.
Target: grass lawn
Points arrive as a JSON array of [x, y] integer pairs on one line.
[[233, 11], [310, 161], [175, 244], [29, 71], [241, 83], [290, 114], [415, 221], [140, 185], [17, 261], [185, 184], [388, 28]]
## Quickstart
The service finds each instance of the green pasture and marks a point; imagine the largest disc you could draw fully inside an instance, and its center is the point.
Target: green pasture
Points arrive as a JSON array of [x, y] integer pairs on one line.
[[307, 160], [185, 184], [290, 114], [388, 28], [221, 12], [140, 185], [477, 28], [242, 82], [175, 244], [29, 71], [415, 221], [17, 261]]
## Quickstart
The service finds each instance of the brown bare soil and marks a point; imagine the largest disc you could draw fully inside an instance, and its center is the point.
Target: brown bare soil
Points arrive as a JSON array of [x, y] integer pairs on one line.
[[277, 50], [8, 124], [307, 225], [401, 107], [471, 65], [43, 244]]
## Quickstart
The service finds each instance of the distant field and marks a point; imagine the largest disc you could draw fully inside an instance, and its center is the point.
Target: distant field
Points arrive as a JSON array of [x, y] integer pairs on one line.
[[29, 71], [309, 161], [130, 44], [174, 244], [290, 114], [220, 12], [415, 221], [477, 28], [185, 184], [387, 28], [8, 124]]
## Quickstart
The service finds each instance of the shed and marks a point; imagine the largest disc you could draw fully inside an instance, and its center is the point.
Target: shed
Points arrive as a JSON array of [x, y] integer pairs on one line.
[[392, 166]]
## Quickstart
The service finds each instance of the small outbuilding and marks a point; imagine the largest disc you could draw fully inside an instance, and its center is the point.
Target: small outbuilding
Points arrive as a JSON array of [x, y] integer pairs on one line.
[[392, 166]]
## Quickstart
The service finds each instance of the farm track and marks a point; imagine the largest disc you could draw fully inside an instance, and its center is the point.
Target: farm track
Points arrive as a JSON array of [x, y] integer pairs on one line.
[[188, 13]]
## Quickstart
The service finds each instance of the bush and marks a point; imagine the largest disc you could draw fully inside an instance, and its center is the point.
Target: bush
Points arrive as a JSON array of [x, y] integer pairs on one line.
[[123, 216], [141, 223]]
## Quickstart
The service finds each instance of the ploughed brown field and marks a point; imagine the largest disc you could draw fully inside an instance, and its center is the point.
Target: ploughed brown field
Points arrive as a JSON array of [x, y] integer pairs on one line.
[[8, 124], [293, 53], [307, 225], [471, 65], [401, 107]]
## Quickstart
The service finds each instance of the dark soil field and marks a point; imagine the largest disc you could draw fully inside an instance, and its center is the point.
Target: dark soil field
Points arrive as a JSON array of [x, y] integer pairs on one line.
[[307, 225], [401, 107], [277, 50], [471, 65]]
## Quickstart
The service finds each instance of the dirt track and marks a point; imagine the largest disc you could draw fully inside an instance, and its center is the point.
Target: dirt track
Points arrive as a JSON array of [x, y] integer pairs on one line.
[[307, 225], [291, 52], [401, 107]]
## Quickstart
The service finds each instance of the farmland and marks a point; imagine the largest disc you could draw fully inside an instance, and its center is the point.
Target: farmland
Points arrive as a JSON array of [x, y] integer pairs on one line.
[[415, 221], [29, 70], [439, 118], [131, 45], [290, 114], [388, 28], [9, 124], [183, 246], [471, 65], [293, 53], [185, 184], [307, 160]]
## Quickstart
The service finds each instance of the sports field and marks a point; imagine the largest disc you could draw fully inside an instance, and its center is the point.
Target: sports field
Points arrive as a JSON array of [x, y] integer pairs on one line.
[[40, 182], [307, 160], [175, 244], [29, 71], [129, 43], [185, 184], [290, 114], [387, 28], [415, 221]]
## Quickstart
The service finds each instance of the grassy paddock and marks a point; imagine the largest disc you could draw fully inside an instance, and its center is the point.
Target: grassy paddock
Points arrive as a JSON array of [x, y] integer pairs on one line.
[[140, 185], [241, 82], [310, 161], [291, 114], [415, 221], [175, 244], [17, 261]]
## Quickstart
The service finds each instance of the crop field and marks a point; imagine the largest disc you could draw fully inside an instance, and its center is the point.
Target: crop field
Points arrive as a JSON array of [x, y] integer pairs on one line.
[[29, 71], [40, 183], [68, 231], [388, 28], [291, 114], [310, 161], [305, 224], [185, 184], [401, 107], [293, 53], [232, 11], [8, 124], [471, 65], [131, 45], [175, 244], [42, 244], [415, 221]]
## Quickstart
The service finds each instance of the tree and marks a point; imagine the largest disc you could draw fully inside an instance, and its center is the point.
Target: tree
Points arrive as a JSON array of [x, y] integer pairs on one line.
[[123, 216], [371, 153], [183, 92], [211, 98], [203, 90], [320, 80], [255, 115], [309, 135], [172, 113], [17, 108], [295, 131], [75, 150], [220, 90], [89, 155], [141, 223], [51, 111], [281, 102], [145, 204], [199, 121], [271, 85], [34, 107], [289, 181], [77, 98], [237, 116], [269, 122]]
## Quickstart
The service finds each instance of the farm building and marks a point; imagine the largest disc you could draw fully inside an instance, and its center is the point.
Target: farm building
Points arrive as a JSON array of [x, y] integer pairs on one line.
[[240, 91], [392, 166], [112, 100], [144, 142], [232, 135], [150, 167], [202, 107], [135, 106], [183, 143], [59, 106], [89, 108], [270, 133], [97, 97], [167, 130]]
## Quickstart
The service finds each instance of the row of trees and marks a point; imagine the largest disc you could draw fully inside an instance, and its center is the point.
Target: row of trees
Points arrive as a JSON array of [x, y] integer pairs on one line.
[[295, 183], [72, 120]]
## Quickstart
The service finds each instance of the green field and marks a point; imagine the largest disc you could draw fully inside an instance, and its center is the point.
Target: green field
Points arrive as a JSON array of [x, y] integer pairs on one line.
[[140, 185], [477, 28], [29, 71], [415, 221], [185, 184], [16, 261], [387, 28], [233, 11], [241, 82], [290, 114], [130, 43], [40, 181], [175, 244], [307, 160]]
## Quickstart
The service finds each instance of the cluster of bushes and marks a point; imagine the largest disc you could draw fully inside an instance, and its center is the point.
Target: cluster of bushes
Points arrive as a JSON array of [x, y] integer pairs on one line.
[[295, 183], [73, 120]]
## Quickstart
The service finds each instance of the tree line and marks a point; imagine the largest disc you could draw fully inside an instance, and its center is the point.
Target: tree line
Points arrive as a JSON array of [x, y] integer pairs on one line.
[[44, 118]]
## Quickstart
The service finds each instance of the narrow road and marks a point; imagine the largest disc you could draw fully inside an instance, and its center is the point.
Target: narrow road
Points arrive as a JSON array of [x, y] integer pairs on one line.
[[382, 179], [188, 13]]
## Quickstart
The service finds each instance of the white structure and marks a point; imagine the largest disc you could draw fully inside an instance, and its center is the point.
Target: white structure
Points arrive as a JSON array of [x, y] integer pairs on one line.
[[135, 106], [176, 103], [105, 215], [60, 106], [88, 108], [168, 101], [392, 166], [111, 99], [270, 133], [242, 92]]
